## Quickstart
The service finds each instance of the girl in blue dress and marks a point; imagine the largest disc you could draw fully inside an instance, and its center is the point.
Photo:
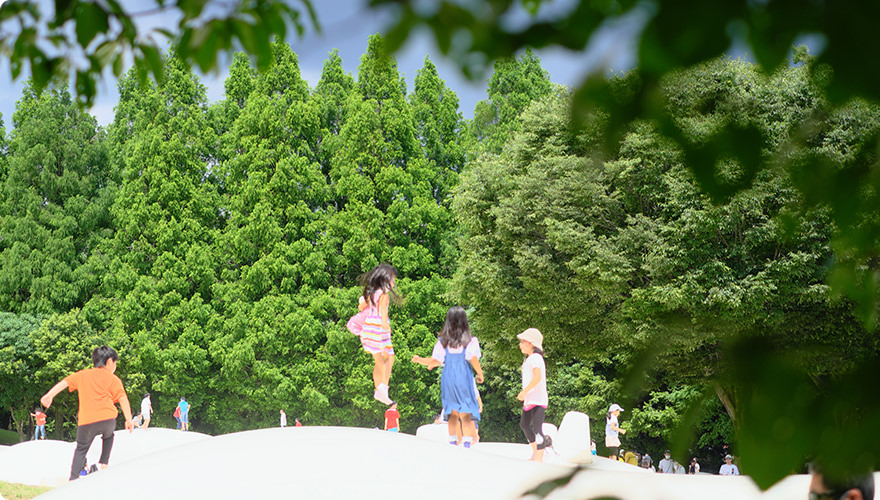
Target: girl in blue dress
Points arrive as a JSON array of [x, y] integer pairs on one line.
[[459, 353]]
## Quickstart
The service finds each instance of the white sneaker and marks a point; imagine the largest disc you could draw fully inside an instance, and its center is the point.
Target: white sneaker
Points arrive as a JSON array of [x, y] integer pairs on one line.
[[381, 394]]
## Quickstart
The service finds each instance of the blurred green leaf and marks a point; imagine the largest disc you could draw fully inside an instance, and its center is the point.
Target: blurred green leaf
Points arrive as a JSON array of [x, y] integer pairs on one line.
[[154, 61], [90, 21]]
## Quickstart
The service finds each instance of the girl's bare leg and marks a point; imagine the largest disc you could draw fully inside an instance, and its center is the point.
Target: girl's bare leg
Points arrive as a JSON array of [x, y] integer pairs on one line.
[[468, 428], [453, 425], [389, 362], [378, 369]]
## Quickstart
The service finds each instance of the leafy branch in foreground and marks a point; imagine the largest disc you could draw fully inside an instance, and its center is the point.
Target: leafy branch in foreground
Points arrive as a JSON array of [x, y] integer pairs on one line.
[[80, 39]]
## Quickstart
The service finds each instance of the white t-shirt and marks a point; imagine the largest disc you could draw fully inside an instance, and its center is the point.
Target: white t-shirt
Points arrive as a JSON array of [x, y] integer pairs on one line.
[[145, 407], [666, 466], [729, 470], [538, 395], [471, 351], [610, 423]]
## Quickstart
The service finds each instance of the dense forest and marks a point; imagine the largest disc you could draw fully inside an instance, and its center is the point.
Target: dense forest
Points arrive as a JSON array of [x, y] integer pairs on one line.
[[217, 246]]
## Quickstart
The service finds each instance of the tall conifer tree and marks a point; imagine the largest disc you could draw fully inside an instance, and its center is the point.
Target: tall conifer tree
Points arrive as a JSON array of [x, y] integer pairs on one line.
[[51, 207]]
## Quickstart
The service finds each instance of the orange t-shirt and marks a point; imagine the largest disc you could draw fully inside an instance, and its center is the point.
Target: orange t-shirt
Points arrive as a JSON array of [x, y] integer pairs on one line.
[[99, 390], [41, 418]]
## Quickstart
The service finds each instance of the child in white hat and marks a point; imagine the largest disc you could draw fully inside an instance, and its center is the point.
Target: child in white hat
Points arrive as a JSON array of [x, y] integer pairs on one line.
[[612, 441], [534, 391]]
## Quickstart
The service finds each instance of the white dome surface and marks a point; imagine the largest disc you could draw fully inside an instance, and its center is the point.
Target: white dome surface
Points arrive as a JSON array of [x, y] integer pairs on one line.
[[315, 462], [342, 462], [47, 462]]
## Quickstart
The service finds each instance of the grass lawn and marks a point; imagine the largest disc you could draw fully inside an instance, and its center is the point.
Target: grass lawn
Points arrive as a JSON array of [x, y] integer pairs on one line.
[[8, 437], [13, 491]]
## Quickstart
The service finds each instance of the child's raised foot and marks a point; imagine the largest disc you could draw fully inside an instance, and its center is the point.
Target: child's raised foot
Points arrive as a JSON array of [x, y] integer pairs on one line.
[[381, 394]]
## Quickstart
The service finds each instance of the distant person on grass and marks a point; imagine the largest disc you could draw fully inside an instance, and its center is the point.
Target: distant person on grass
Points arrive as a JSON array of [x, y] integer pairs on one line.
[[146, 410], [40, 421], [667, 465], [99, 389], [729, 468], [459, 353], [184, 414], [176, 416], [283, 419], [392, 418]]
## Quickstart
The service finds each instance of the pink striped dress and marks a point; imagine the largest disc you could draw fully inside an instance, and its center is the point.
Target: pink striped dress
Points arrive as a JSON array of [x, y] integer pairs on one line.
[[374, 338]]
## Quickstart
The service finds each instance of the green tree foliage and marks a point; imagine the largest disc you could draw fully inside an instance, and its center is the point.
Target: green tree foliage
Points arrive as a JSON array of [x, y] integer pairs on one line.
[[514, 84], [161, 260], [63, 344], [330, 99], [626, 256], [675, 35], [54, 205], [225, 262], [438, 126], [17, 365]]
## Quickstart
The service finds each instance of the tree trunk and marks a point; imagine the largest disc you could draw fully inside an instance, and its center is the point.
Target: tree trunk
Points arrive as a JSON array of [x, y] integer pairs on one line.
[[728, 399], [18, 423], [59, 424]]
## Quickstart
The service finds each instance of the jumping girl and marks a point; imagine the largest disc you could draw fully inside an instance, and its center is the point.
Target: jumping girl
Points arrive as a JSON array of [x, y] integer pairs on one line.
[[376, 333], [534, 391], [455, 349]]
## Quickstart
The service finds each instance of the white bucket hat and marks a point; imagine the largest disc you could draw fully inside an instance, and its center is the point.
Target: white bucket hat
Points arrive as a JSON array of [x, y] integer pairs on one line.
[[532, 336], [615, 406]]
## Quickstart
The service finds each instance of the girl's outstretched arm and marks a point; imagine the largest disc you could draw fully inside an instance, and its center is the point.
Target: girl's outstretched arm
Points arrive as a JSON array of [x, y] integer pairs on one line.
[[475, 363], [430, 363], [383, 311]]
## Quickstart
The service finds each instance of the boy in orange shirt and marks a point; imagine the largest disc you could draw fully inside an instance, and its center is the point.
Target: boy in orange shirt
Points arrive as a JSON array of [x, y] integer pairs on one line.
[[40, 419], [99, 391]]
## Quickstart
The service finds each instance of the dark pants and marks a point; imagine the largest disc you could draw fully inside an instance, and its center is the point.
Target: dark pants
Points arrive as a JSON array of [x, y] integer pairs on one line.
[[85, 434], [531, 423]]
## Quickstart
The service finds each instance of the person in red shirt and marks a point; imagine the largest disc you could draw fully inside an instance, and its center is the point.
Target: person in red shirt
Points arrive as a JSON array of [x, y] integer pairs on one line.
[[99, 390], [392, 418], [298, 423], [40, 419]]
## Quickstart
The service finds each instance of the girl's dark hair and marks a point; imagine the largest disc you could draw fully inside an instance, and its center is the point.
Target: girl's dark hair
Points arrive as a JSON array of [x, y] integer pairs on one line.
[[537, 350], [101, 354], [379, 279], [456, 331]]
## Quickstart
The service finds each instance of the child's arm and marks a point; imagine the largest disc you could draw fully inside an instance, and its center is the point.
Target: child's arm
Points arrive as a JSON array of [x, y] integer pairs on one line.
[[618, 429], [536, 377], [475, 362], [362, 304], [430, 363], [383, 311], [47, 398], [126, 410]]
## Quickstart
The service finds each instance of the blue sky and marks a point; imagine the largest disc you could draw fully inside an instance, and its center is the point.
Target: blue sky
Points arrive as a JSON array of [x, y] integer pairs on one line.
[[346, 26]]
